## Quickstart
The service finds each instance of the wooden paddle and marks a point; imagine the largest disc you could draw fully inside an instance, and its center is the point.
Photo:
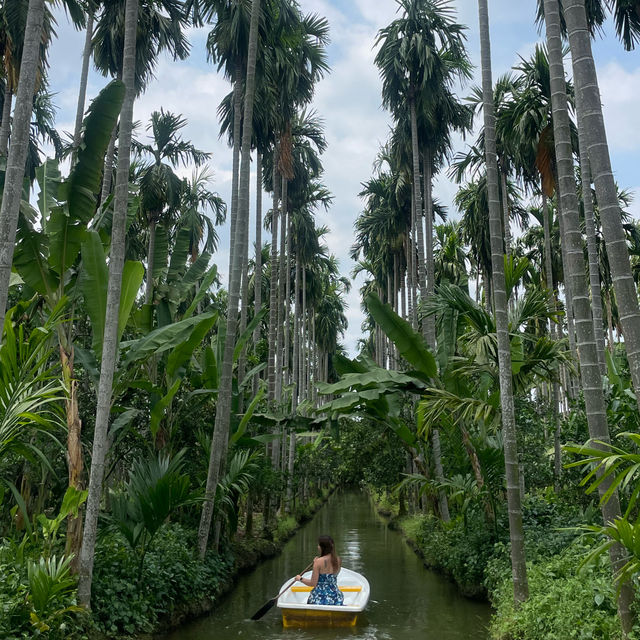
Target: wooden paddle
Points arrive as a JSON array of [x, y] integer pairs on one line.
[[269, 604]]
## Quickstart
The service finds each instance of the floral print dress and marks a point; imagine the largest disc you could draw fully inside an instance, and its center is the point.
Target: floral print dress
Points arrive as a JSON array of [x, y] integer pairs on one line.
[[326, 591]]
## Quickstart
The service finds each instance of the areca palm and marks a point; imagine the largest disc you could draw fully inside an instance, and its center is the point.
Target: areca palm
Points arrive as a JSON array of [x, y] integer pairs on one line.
[[519, 569], [420, 55], [111, 340], [220, 438], [11, 195], [160, 187], [589, 369]]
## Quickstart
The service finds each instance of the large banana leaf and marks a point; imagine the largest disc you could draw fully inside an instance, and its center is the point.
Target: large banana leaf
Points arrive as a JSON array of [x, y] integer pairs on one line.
[[164, 338], [410, 344], [49, 178], [30, 259], [196, 270], [183, 352], [132, 276], [93, 281], [179, 256], [160, 252], [86, 175], [66, 235], [248, 333], [207, 281]]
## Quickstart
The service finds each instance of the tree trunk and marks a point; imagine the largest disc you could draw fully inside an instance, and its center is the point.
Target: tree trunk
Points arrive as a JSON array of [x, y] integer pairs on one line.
[[430, 321], [516, 534], [257, 278], [589, 110], [505, 212], [82, 92], [284, 226], [592, 249], [297, 324], [607, 299], [417, 203], [17, 157], [5, 124], [110, 342], [287, 300], [273, 289], [148, 294], [220, 438], [548, 268], [595, 404]]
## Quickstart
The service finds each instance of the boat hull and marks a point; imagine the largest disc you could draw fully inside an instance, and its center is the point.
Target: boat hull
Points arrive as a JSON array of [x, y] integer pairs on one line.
[[315, 618], [296, 612]]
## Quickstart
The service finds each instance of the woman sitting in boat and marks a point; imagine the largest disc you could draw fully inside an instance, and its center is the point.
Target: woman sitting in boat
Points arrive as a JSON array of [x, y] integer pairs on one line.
[[326, 567]]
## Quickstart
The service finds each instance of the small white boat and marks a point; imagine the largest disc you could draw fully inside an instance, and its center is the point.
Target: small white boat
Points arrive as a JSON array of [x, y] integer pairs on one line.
[[297, 613]]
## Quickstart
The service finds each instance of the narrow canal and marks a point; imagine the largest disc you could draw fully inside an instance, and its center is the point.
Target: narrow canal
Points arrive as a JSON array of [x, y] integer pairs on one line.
[[407, 601]]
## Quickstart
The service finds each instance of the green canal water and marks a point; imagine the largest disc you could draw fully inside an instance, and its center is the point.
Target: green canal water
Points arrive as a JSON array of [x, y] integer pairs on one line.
[[407, 601]]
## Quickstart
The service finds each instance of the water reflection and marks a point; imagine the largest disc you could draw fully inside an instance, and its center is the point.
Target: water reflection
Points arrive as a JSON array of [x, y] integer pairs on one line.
[[407, 601]]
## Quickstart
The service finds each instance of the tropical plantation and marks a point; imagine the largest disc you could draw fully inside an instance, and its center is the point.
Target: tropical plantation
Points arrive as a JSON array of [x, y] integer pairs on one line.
[[184, 404]]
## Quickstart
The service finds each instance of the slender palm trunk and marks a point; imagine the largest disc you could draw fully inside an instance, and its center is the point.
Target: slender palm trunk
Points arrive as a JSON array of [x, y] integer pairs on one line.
[[237, 129], [5, 124], [82, 92], [257, 278], [110, 342], [589, 111], [287, 304], [19, 146], [430, 321], [273, 290], [505, 212], [595, 404], [516, 533], [151, 250], [592, 248], [284, 226], [548, 268], [220, 440], [417, 197], [297, 325]]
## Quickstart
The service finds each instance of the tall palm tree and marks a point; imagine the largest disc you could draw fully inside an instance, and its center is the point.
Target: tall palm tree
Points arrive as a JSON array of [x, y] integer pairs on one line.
[[595, 404], [160, 187], [220, 439], [110, 341], [29, 65], [591, 123], [516, 534], [420, 55]]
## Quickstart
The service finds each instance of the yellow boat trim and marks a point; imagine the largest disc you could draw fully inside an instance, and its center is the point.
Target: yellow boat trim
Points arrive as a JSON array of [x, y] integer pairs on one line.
[[315, 618], [343, 589]]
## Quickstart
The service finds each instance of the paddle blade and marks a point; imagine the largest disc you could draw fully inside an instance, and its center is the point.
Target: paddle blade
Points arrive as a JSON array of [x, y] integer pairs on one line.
[[264, 609]]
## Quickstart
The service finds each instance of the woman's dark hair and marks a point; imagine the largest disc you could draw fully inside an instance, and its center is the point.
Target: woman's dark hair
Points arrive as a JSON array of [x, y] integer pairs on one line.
[[327, 546]]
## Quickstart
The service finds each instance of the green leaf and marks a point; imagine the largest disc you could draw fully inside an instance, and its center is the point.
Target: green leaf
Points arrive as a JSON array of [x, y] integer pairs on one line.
[[179, 256], [157, 412], [183, 352], [247, 333], [161, 252], [66, 235], [410, 344], [242, 427], [86, 175], [93, 282], [132, 276], [163, 338], [207, 281], [49, 178], [30, 260]]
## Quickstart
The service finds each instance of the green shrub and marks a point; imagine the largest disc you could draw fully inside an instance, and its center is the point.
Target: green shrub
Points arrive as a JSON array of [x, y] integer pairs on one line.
[[172, 576], [564, 602]]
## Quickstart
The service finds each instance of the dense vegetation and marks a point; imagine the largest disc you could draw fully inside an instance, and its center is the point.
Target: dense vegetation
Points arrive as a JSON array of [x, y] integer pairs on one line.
[[160, 429]]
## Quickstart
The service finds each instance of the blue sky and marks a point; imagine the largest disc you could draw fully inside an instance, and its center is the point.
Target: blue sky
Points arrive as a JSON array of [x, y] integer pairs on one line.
[[348, 100]]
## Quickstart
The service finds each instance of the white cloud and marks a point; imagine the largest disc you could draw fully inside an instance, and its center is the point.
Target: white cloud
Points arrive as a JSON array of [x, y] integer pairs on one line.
[[350, 103]]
